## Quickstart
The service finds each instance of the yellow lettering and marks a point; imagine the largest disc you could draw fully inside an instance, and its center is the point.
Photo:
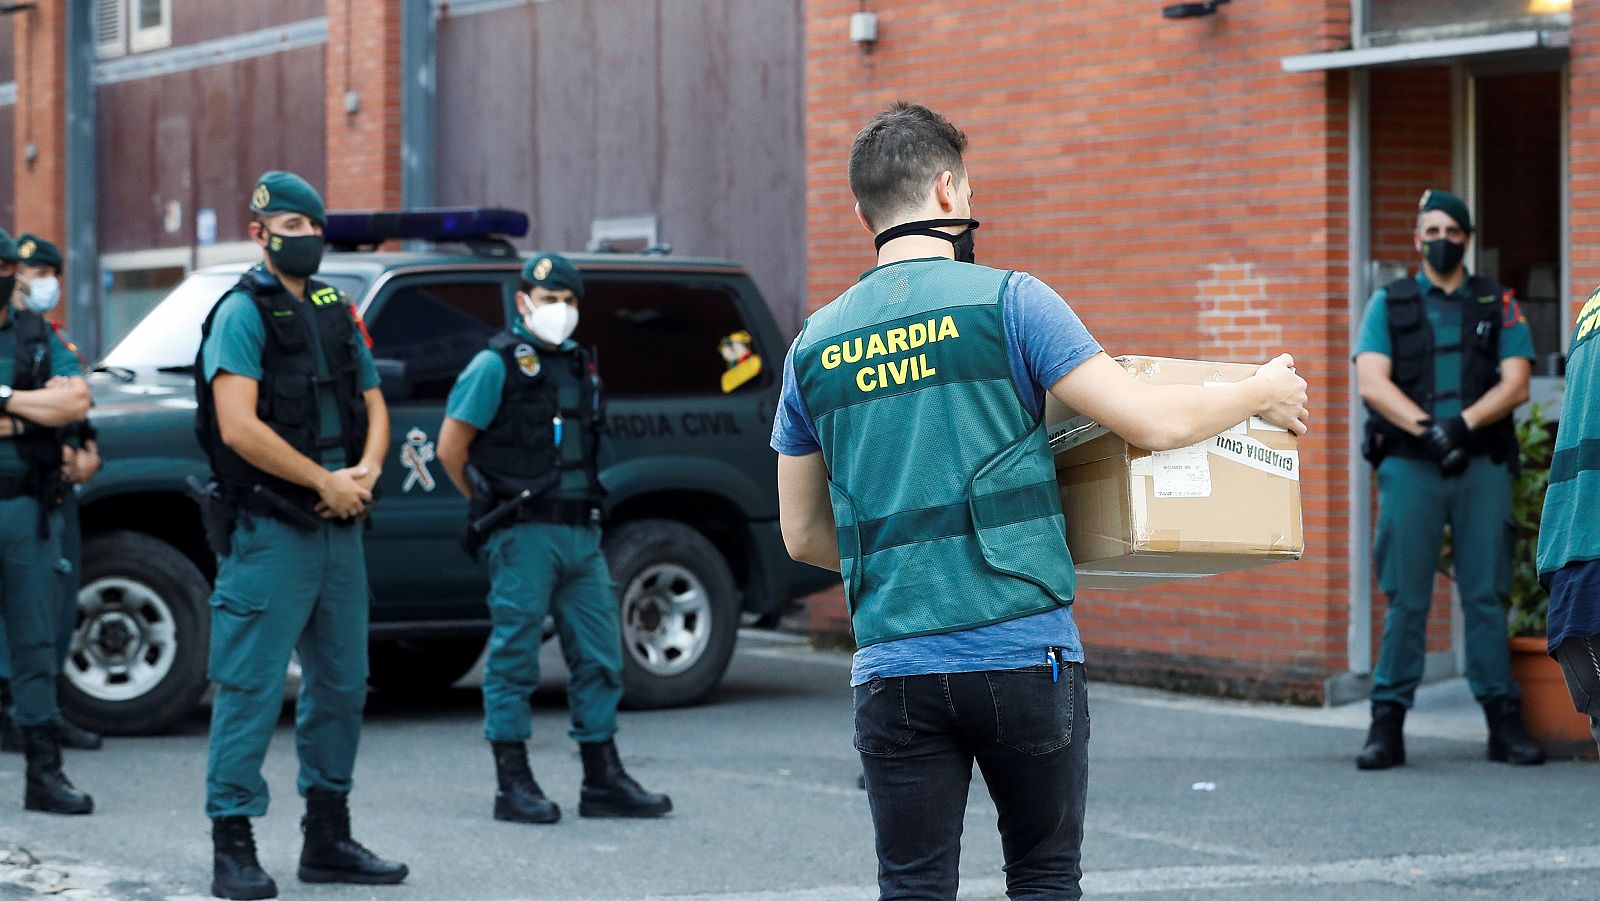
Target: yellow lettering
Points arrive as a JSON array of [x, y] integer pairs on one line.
[[875, 346], [897, 341], [856, 357], [947, 328], [897, 371], [864, 379], [926, 369], [1588, 325], [830, 357], [883, 376], [916, 335]]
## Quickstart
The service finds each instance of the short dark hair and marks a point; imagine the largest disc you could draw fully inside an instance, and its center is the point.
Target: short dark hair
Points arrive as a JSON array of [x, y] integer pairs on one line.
[[897, 154]]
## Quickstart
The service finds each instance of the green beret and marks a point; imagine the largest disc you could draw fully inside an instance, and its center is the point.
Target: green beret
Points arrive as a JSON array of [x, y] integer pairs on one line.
[[8, 248], [554, 272], [286, 192], [33, 250], [1447, 203]]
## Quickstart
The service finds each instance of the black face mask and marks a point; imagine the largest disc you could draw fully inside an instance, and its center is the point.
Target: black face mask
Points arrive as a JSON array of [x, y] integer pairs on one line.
[[930, 228], [297, 255], [8, 285], [1443, 254]]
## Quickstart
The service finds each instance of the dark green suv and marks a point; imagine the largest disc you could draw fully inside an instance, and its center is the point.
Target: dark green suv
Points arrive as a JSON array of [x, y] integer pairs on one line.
[[692, 362]]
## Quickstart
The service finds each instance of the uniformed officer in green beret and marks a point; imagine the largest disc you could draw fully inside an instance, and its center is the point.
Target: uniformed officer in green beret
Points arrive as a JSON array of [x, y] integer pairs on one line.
[[39, 290], [292, 419], [520, 438], [1442, 360], [42, 390]]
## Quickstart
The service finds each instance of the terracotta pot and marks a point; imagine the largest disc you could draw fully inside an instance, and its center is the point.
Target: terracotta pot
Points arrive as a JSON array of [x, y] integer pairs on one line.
[[1546, 705]]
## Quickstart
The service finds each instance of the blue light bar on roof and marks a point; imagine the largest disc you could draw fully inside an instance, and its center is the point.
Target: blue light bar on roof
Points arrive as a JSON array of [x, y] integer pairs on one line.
[[377, 226]]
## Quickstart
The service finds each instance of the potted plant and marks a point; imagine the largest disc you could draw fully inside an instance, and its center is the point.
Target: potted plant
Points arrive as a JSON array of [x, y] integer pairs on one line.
[[1546, 705]]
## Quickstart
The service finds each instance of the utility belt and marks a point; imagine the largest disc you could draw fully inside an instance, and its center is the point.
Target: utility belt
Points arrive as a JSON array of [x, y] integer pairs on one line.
[[558, 512], [223, 507], [50, 496]]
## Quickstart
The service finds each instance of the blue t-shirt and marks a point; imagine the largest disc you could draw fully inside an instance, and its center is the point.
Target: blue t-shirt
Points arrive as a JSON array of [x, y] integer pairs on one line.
[[1045, 340], [1574, 603]]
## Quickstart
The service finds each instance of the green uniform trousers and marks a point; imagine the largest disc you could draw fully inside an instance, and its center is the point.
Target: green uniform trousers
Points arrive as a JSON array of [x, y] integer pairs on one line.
[[280, 590], [1415, 503], [30, 605], [537, 569], [71, 560]]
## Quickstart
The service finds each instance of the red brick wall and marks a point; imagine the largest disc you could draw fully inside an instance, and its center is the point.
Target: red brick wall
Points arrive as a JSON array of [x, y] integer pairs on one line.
[[40, 119], [1187, 197], [363, 56], [1584, 149]]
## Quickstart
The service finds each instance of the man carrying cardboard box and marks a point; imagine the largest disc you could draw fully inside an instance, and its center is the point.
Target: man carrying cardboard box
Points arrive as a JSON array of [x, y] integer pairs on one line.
[[914, 460], [1442, 360]]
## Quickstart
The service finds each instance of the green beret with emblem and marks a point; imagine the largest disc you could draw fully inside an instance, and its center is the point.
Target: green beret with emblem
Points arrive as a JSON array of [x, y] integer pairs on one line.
[[33, 250], [553, 272], [8, 248], [1447, 203], [285, 192]]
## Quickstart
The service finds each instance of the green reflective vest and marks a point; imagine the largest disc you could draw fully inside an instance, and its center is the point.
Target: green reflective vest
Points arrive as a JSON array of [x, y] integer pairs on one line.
[[1569, 531], [942, 483]]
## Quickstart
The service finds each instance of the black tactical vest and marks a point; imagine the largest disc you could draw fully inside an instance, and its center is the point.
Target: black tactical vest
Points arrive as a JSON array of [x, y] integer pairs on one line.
[[288, 392], [518, 450], [38, 446], [1412, 349]]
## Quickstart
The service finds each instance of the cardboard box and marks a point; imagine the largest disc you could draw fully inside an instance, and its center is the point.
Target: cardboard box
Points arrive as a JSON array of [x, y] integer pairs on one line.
[[1136, 518]]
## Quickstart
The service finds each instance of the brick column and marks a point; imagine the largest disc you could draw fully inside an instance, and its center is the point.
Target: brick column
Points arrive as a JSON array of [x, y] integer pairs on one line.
[[40, 158], [1584, 150], [363, 70]]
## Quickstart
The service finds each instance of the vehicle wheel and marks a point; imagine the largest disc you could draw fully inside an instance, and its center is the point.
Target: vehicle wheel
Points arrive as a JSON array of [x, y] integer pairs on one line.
[[412, 665], [680, 612], [138, 658]]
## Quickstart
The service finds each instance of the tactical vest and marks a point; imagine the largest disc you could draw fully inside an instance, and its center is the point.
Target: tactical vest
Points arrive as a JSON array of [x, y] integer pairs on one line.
[[287, 397], [1412, 349], [518, 451], [942, 483], [38, 446], [1569, 531]]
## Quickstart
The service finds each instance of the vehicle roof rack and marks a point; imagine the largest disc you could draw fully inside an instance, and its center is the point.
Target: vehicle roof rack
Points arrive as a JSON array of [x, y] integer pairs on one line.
[[484, 230]]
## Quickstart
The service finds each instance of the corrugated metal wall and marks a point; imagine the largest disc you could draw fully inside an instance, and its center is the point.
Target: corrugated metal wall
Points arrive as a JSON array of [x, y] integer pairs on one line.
[[690, 110]]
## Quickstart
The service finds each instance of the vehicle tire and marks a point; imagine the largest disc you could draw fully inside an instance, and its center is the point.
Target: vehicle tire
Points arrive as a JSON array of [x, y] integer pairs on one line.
[[138, 658], [412, 665], [680, 612]]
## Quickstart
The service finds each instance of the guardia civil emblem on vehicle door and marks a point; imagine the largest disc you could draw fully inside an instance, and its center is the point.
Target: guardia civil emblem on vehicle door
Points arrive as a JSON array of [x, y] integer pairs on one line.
[[415, 455]]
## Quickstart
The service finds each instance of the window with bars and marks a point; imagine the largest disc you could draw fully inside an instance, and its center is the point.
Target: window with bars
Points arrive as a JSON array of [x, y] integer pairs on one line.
[[131, 26]]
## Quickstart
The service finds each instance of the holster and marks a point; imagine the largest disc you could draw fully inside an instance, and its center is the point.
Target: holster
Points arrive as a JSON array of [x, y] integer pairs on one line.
[[218, 516]]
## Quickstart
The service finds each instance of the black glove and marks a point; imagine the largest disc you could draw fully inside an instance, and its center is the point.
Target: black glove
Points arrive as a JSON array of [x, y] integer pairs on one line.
[[1446, 441]]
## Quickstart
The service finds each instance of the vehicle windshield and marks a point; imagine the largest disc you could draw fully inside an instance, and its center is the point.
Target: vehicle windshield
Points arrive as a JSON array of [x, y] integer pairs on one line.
[[169, 335]]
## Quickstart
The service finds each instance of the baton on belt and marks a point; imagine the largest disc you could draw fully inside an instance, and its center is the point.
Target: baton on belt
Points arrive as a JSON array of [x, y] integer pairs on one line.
[[490, 521]]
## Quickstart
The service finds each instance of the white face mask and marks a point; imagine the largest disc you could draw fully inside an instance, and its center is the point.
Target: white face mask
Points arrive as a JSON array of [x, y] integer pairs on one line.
[[552, 323], [43, 293]]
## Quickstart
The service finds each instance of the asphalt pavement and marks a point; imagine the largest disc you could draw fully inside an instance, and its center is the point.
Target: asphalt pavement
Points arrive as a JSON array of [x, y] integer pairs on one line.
[[1189, 798]]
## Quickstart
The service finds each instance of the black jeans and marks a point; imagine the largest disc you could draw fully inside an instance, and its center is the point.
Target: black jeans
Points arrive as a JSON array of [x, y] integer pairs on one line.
[[1580, 664], [919, 736]]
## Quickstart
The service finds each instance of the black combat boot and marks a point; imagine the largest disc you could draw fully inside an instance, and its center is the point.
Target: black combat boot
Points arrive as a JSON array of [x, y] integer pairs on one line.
[[48, 788], [73, 736], [518, 799], [1386, 746], [235, 872], [331, 855], [608, 790], [1508, 738], [10, 732]]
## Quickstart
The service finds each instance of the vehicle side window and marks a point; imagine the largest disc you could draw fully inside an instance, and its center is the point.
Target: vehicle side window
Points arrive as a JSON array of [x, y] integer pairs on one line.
[[435, 328], [660, 337]]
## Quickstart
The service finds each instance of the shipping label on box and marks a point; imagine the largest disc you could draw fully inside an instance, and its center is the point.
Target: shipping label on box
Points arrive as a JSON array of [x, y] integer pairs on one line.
[[1136, 517]]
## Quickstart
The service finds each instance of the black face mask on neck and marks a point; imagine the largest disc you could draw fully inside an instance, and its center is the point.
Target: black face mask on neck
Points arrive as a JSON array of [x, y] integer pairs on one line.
[[930, 228]]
